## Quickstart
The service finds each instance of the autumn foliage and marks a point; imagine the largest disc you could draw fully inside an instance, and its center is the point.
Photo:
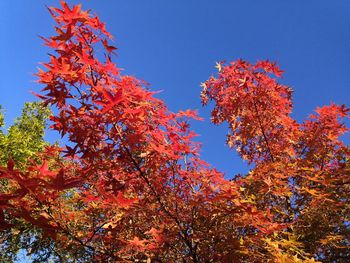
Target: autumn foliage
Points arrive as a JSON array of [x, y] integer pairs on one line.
[[130, 186]]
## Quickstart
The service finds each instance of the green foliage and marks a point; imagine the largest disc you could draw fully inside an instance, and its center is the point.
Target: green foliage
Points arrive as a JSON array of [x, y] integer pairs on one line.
[[25, 137]]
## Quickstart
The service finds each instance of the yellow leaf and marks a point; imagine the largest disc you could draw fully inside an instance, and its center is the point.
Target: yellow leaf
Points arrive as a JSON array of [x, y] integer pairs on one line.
[[218, 66], [93, 204], [241, 241], [142, 155]]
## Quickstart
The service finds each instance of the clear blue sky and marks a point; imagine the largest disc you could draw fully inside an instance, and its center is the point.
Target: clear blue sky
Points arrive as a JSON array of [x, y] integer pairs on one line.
[[174, 46]]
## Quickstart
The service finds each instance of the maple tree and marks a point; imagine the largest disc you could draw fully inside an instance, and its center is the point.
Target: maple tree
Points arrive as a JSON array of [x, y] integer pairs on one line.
[[130, 185]]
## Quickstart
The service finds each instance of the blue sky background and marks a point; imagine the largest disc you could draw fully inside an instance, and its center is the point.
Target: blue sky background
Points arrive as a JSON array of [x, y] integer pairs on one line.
[[174, 46]]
